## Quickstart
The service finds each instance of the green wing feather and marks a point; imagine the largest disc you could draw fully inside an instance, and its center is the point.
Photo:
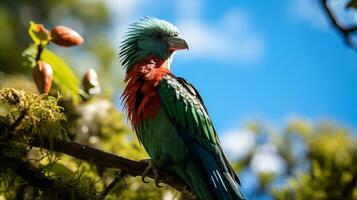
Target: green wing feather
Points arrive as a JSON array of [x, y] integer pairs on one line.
[[183, 106], [187, 112]]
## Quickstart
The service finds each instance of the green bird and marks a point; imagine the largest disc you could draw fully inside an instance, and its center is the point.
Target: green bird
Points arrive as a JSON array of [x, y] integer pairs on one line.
[[168, 114]]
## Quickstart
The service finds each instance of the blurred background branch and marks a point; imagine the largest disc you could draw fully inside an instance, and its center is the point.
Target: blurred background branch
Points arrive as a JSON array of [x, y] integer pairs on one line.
[[340, 27]]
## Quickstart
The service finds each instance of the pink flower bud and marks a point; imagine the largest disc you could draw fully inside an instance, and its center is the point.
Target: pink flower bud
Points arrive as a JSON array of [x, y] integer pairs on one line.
[[65, 36], [90, 82], [43, 75]]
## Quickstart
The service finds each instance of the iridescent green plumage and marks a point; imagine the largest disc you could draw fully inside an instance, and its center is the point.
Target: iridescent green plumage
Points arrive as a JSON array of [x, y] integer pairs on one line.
[[189, 116], [176, 130]]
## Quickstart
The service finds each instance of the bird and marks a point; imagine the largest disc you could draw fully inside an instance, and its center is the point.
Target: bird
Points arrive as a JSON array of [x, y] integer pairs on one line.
[[168, 114]]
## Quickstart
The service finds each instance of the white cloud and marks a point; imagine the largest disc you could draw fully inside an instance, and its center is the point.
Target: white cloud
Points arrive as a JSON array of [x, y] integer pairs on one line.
[[310, 12], [237, 143], [266, 160], [123, 8], [189, 9], [123, 13], [230, 38]]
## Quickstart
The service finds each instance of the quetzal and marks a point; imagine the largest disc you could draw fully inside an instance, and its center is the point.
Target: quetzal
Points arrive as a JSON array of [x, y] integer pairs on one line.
[[168, 114]]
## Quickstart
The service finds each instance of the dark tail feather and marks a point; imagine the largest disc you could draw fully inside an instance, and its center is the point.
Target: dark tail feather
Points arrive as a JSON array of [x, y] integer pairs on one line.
[[221, 182]]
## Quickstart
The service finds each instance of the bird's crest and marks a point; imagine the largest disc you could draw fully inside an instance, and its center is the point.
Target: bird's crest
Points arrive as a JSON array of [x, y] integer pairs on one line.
[[140, 40]]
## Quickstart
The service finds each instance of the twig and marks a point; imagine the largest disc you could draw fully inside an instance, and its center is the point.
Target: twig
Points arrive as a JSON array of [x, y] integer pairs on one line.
[[344, 31], [39, 52], [117, 178]]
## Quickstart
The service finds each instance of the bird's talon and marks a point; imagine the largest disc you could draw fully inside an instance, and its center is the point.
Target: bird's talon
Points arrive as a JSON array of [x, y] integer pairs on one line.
[[157, 183], [143, 179], [157, 179], [151, 167]]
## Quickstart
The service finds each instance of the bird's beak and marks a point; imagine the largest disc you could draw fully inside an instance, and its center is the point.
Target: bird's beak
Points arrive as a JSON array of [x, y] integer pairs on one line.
[[177, 43]]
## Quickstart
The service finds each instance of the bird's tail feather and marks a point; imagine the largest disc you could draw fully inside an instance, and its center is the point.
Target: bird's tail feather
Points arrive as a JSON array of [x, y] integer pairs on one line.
[[221, 182]]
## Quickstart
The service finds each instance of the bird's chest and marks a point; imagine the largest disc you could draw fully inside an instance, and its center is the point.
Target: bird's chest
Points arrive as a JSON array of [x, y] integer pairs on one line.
[[140, 96], [161, 139]]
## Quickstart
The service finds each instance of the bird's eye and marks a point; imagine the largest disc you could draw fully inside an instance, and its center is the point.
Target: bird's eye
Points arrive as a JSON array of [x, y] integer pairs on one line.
[[175, 34]]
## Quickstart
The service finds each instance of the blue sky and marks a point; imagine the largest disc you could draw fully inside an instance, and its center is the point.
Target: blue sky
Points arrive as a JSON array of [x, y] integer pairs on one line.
[[271, 62]]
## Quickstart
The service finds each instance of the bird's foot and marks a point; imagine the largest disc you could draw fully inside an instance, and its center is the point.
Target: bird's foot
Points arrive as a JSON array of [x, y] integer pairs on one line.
[[153, 168]]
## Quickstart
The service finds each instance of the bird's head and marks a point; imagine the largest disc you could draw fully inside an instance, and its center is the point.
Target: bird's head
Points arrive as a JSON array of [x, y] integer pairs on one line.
[[150, 37]]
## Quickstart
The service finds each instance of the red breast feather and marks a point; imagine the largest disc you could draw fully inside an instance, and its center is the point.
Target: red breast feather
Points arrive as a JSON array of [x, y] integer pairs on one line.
[[140, 96]]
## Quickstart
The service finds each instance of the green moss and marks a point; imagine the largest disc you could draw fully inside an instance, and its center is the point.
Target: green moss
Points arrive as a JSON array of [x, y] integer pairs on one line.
[[25, 115], [72, 187], [40, 114]]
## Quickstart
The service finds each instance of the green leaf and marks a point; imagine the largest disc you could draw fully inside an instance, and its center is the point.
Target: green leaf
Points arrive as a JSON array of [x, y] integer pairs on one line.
[[39, 34], [63, 76]]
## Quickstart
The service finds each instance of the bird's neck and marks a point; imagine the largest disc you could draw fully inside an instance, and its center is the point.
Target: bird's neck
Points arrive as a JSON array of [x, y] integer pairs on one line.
[[140, 96]]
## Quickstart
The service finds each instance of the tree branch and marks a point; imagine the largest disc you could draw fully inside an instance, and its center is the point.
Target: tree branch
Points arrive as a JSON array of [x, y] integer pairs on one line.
[[344, 31], [103, 159]]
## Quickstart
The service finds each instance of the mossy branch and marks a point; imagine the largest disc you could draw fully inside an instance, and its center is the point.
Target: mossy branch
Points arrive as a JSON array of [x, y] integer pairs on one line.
[[38, 118], [104, 159]]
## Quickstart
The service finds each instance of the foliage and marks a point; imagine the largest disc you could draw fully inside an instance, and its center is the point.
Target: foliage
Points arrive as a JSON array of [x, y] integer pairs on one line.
[[92, 22], [30, 115], [332, 174], [15, 17], [318, 162], [63, 76]]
